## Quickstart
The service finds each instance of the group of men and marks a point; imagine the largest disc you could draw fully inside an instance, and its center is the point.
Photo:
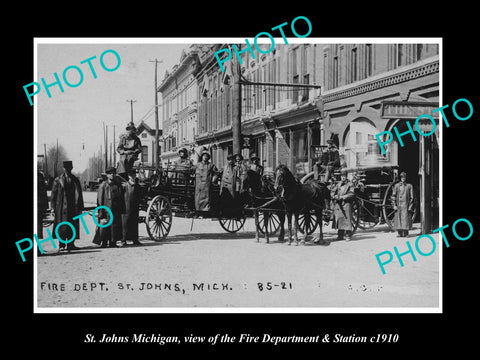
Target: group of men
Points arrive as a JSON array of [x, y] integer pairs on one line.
[[120, 193], [206, 173], [342, 195]]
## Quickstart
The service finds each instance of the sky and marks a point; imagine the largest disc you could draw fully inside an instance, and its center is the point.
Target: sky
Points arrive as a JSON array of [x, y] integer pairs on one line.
[[76, 116]]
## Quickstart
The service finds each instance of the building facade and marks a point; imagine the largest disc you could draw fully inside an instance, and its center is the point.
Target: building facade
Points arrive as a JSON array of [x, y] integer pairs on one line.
[[371, 88], [179, 92], [147, 137], [355, 92]]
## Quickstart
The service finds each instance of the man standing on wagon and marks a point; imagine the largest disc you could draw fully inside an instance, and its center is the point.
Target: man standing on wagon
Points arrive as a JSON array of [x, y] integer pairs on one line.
[[205, 173], [129, 146], [403, 204], [255, 164], [227, 193]]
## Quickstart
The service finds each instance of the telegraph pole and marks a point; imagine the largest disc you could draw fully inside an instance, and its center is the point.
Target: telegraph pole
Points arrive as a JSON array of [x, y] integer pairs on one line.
[[155, 150], [131, 107], [46, 164], [236, 107], [114, 148]]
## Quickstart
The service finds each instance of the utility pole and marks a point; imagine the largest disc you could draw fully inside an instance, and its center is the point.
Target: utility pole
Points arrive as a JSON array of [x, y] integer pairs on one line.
[[236, 107], [55, 173], [155, 149], [46, 164], [131, 107], [114, 148], [105, 138]]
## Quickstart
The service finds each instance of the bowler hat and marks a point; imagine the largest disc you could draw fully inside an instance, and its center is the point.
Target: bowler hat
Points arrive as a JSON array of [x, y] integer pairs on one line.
[[239, 155], [183, 150], [67, 163], [110, 170], [229, 157], [253, 156], [131, 126], [206, 152], [403, 174]]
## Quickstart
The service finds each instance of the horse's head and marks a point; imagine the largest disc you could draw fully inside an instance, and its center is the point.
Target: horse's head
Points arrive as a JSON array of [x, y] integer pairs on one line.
[[284, 181]]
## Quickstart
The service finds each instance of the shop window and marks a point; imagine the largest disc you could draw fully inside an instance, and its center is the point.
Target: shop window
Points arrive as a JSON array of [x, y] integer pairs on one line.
[[360, 145]]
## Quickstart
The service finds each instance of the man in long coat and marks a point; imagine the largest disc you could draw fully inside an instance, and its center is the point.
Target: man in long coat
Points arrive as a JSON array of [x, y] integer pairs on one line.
[[130, 218], [67, 203], [204, 176], [403, 204], [129, 146], [110, 194], [342, 196], [227, 193]]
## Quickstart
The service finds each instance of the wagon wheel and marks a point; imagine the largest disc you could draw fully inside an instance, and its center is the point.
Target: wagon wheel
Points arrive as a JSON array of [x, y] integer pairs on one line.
[[272, 225], [159, 218], [356, 213], [232, 225], [366, 220], [389, 212], [307, 222]]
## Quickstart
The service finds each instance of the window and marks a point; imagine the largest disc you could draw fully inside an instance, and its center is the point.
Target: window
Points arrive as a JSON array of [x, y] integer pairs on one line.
[[335, 72], [144, 135], [144, 154], [400, 59], [353, 65], [368, 60], [419, 51]]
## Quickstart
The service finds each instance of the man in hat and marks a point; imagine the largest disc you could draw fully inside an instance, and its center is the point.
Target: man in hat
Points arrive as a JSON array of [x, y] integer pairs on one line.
[[332, 159], [240, 173], [184, 162], [67, 202], [403, 204], [205, 172], [129, 146], [255, 164], [110, 194], [227, 193], [130, 217], [343, 195]]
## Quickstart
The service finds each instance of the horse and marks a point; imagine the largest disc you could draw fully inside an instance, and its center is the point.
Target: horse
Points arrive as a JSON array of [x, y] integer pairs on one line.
[[260, 192], [299, 198]]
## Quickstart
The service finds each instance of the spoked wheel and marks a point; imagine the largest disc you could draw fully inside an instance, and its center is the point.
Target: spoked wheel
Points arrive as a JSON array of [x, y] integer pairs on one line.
[[307, 223], [387, 207], [159, 218], [269, 223], [356, 213], [232, 225], [389, 211], [366, 218]]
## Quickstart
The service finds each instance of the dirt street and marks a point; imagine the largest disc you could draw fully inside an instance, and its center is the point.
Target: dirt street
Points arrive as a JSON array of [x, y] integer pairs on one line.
[[207, 267]]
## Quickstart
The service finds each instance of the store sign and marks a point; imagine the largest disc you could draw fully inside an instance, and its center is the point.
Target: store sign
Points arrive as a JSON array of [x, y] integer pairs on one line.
[[407, 109]]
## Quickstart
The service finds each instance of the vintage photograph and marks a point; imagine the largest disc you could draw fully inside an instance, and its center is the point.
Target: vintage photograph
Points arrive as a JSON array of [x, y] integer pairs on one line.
[[192, 175]]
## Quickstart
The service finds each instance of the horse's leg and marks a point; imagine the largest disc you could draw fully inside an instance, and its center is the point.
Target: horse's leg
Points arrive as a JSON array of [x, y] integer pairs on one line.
[[281, 235], [295, 229], [289, 219], [256, 225], [320, 225]]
